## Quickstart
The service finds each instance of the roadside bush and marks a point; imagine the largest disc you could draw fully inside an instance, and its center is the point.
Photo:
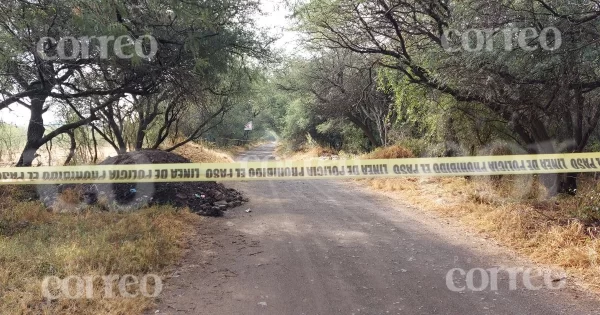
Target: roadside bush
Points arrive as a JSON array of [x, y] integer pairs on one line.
[[419, 147]]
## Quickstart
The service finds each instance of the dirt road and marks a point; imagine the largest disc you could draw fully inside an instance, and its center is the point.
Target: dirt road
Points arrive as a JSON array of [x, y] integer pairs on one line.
[[330, 247]]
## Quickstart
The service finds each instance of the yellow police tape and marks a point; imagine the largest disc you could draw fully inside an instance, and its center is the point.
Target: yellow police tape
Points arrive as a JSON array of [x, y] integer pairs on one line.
[[304, 170]]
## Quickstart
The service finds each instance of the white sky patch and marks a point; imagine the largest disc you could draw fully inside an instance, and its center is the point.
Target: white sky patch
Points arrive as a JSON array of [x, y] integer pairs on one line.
[[15, 115], [19, 115], [275, 18]]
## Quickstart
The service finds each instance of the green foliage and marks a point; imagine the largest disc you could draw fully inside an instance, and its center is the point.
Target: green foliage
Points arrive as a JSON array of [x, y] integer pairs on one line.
[[429, 121], [472, 98], [419, 147], [298, 122], [253, 102], [202, 48], [344, 135]]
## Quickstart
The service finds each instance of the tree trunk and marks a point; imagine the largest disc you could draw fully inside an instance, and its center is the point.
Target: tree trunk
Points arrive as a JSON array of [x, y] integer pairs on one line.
[[140, 135], [365, 129], [95, 142], [121, 146], [72, 148], [35, 132], [49, 150]]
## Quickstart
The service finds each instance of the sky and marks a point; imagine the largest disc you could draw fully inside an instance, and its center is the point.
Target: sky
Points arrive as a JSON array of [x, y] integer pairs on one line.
[[274, 18], [16, 115]]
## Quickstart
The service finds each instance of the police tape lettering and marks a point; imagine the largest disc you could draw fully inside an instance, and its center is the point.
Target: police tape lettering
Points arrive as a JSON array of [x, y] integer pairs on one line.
[[301, 170]]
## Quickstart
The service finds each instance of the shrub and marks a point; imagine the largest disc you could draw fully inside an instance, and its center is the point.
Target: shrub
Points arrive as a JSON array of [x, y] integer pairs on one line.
[[419, 147]]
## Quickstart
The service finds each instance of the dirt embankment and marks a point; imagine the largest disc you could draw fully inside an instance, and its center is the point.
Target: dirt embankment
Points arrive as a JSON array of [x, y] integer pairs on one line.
[[203, 198]]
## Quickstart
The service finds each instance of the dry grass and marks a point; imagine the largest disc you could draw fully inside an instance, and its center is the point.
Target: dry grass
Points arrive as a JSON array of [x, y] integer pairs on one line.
[[392, 152], [307, 153], [514, 212], [205, 152], [201, 153], [83, 241], [35, 244]]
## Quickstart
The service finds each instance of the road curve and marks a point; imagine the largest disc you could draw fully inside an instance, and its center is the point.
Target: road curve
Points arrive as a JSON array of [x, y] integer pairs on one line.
[[333, 247]]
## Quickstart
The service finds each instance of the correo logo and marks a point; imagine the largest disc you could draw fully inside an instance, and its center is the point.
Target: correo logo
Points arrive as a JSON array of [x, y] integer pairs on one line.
[[71, 48]]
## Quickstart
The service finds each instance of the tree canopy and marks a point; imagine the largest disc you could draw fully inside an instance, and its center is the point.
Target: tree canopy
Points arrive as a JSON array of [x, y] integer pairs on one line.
[[182, 48]]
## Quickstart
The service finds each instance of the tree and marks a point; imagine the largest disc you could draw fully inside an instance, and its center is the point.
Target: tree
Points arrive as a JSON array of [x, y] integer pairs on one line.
[[543, 96], [198, 39], [344, 86]]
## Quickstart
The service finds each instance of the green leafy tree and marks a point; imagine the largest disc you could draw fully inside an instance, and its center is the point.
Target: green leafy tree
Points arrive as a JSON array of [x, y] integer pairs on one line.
[[196, 41], [545, 97]]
